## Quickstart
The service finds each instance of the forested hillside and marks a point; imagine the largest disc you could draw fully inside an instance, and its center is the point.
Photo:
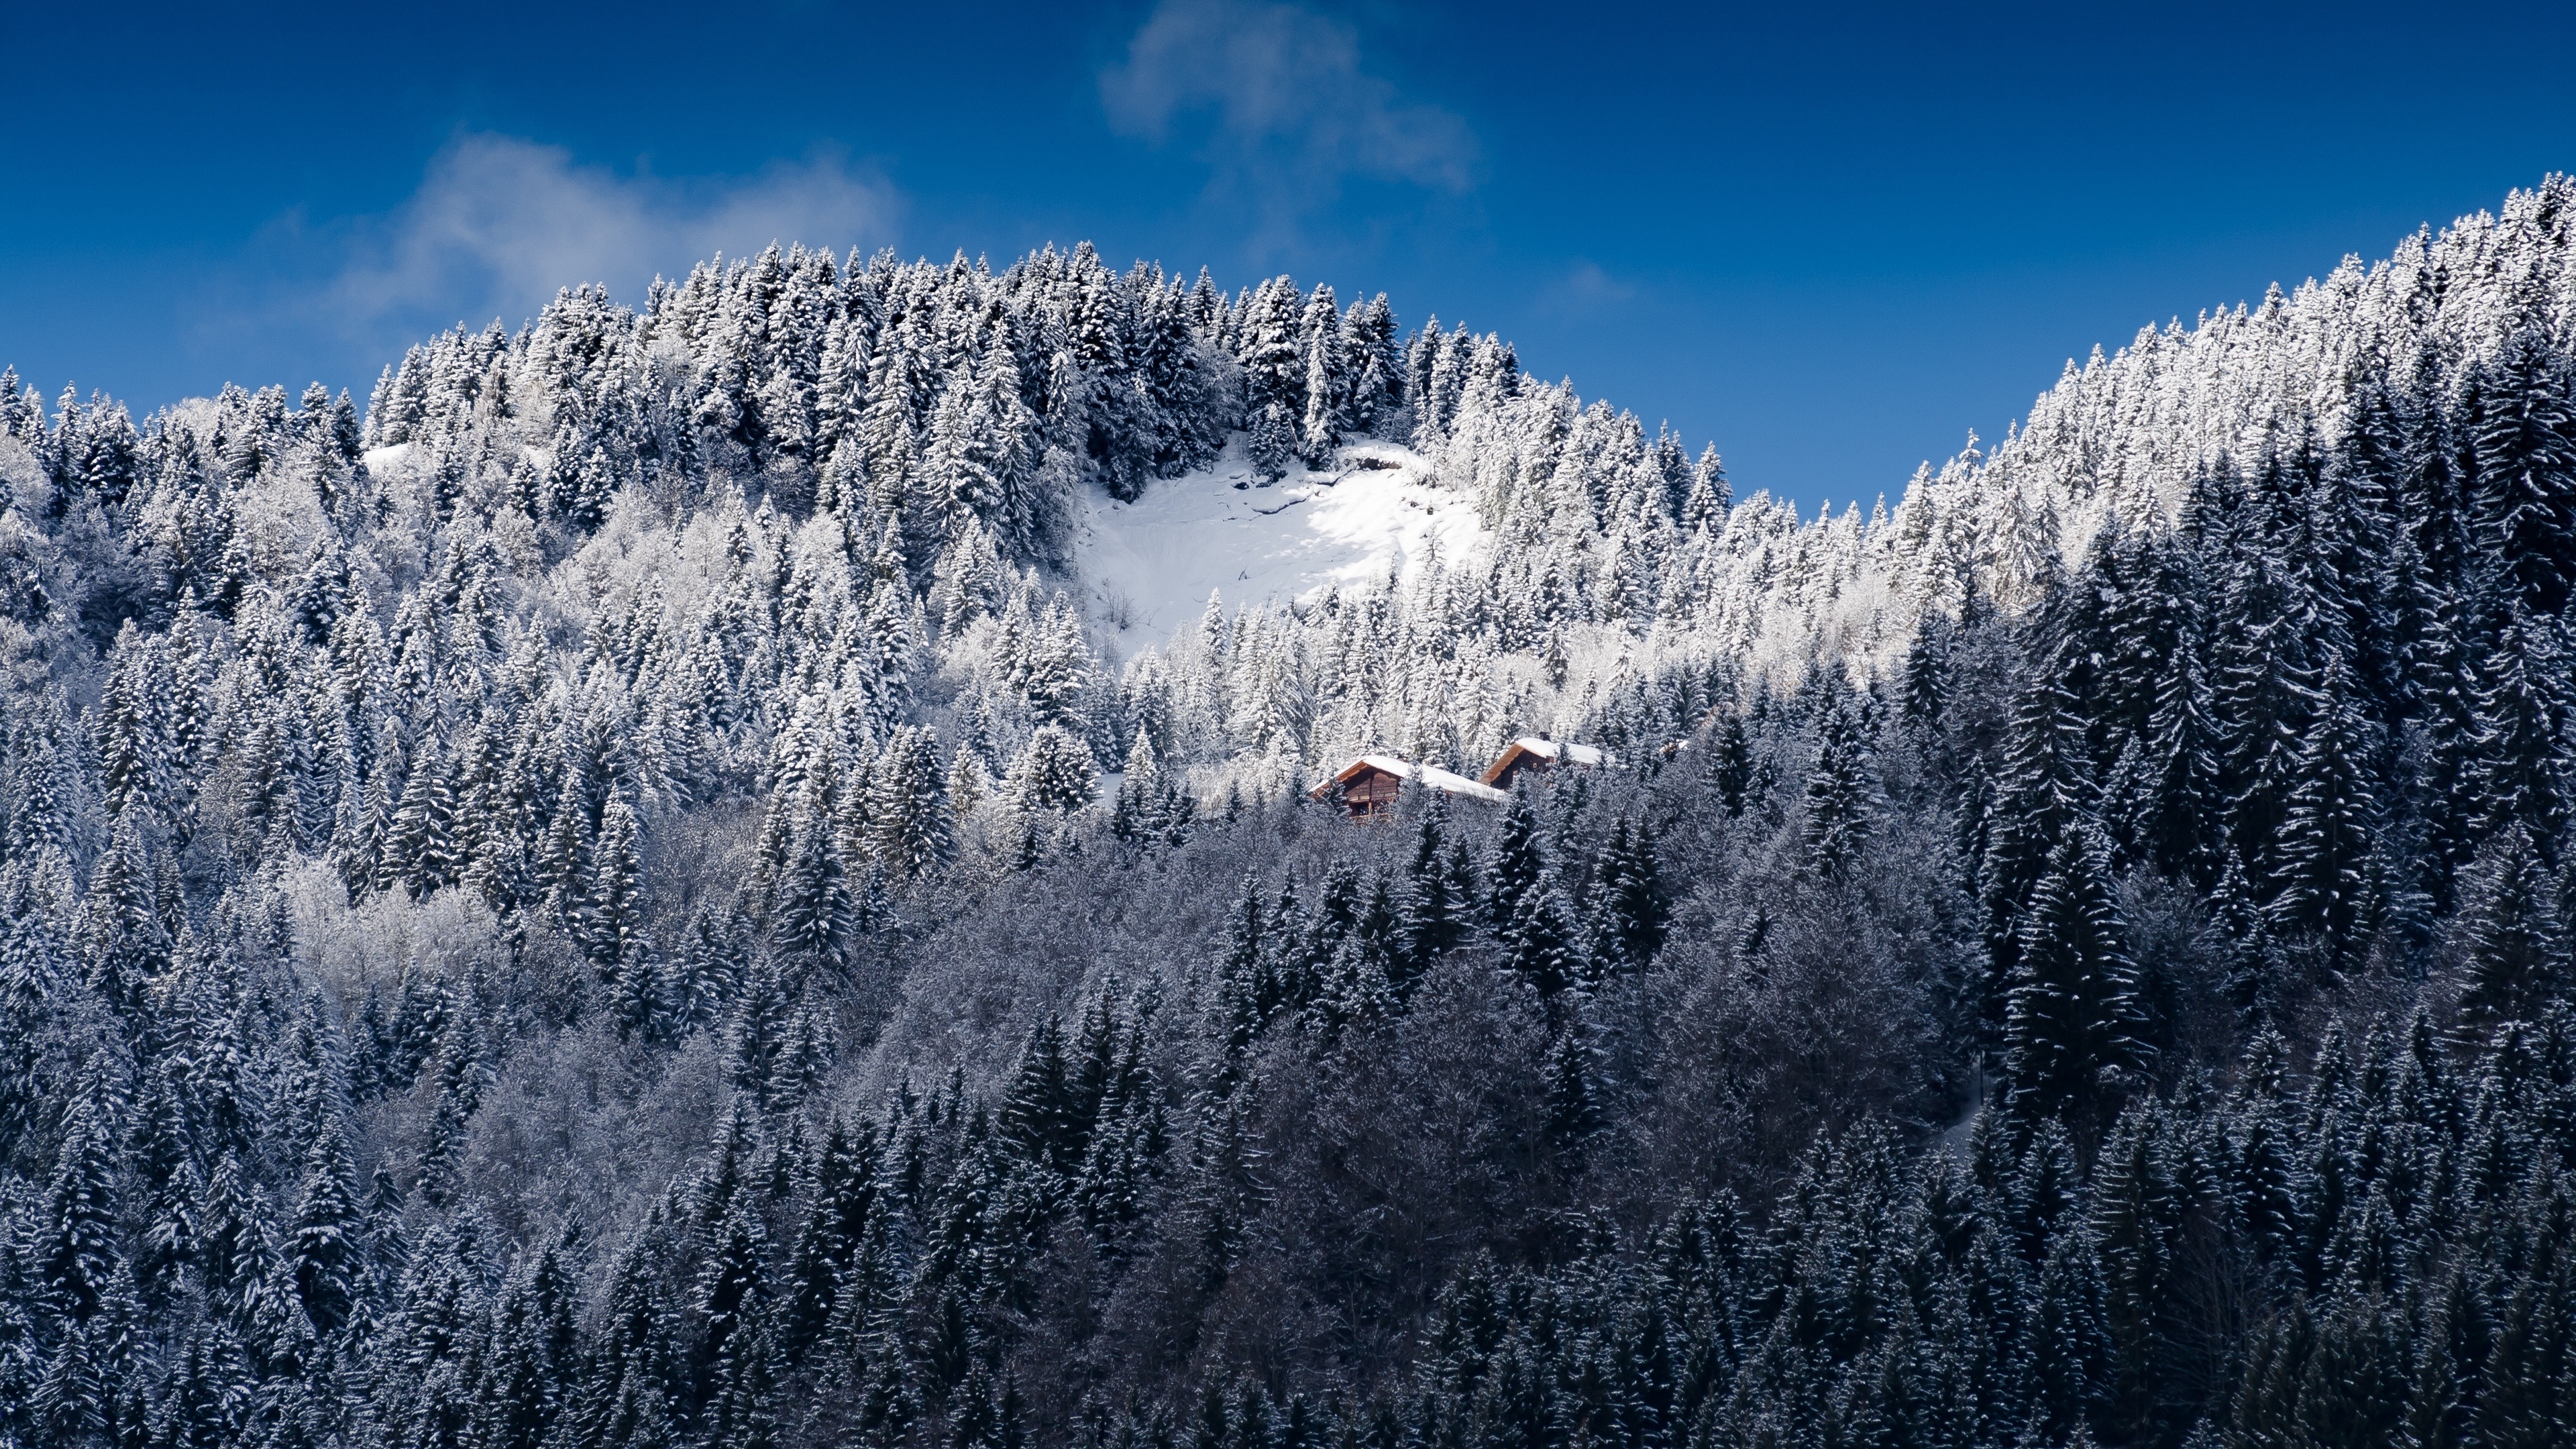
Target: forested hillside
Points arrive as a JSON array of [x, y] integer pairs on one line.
[[627, 894]]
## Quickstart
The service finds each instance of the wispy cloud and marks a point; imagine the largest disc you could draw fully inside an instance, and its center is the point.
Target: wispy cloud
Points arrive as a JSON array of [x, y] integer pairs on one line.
[[1584, 291], [1289, 108], [500, 223]]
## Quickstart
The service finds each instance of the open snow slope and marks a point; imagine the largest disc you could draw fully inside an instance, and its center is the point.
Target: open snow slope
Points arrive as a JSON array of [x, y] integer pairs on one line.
[[1148, 567]]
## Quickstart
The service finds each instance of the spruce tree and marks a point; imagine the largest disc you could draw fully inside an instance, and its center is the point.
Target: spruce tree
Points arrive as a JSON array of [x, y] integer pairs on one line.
[[1925, 688], [2323, 880], [2071, 1342], [1038, 1116], [835, 1232], [1573, 1113], [2519, 764], [34, 983], [2138, 1220], [130, 755], [164, 1157], [1731, 766], [127, 936], [565, 864], [1272, 444], [2042, 795], [1054, 772], [1541, 945], [71, 1404], [727, 1298], [757, 1041], [232, 1243], [911, 809], [1436, 919], [1515, 869], [2177, 808], [1633, 902], [78, 1251], [2263, 1176], [421, 854], [1328, 384], [615, 915], [2072, 1023], [1839, 792], [811, 916], [2515, 942], [321, 1247], [2525, 448]]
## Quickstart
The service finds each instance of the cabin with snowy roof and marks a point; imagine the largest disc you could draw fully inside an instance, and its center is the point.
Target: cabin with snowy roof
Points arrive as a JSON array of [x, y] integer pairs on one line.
[[1531, 753], [1368, 786]]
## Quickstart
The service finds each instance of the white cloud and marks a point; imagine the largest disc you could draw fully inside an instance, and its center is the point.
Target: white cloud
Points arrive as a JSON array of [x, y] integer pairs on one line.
[[1293, 112], [500, 223], [1584, 291]]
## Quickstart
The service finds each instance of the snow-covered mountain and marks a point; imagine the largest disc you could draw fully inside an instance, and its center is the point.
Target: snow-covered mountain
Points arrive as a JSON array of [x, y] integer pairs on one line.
[[771, 830]]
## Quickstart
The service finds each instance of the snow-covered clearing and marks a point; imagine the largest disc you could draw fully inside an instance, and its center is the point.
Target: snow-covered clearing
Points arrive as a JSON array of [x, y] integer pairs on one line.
[[1148, 567]]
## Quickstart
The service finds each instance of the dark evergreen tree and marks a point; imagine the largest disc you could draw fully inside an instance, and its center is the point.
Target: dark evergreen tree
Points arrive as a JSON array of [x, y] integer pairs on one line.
[[615, 915], [2263, 698], [1633, 906], [1839, 792], [1573, 1111], [1039, 1120], [323, 1237], [1924, 690], [2525, 493], [1515, 869], [2323, 882], [1436, 916], [1731, 761], [79, 1251], [2513, 938], [2042, 795], [758, 1040], [2518, 773], [2072, 1023], [2175, 813], [1540, 944]]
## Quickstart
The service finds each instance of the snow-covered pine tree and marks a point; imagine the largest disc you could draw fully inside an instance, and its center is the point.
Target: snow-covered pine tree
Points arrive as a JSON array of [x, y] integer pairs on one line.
[[1272, 443], [2043, 794], [2513, 936], [1839, 793], [2323, 882], [1054, 772], [2072, 1024]]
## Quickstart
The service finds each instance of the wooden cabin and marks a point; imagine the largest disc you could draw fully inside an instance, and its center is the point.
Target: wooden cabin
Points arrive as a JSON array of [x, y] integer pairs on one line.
[[1532, 753], [1368, 786]]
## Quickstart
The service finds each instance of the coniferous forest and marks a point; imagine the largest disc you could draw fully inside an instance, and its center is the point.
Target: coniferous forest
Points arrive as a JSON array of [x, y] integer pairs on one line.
[[620, 892]]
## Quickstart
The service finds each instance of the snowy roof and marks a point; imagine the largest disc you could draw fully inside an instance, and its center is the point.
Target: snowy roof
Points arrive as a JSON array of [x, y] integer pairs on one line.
[[1429, 776], [1571, 754], [1529, 748]]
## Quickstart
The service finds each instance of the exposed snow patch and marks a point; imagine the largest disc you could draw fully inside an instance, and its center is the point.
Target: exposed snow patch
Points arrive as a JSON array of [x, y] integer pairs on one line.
[[1149, 566]]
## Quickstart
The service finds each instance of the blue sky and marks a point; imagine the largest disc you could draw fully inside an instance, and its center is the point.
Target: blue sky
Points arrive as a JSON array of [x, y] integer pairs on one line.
[[1832, 239]]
